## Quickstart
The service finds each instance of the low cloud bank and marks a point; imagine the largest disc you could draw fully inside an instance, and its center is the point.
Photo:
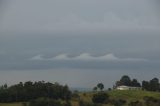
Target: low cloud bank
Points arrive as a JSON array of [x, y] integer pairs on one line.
[[86, 57]]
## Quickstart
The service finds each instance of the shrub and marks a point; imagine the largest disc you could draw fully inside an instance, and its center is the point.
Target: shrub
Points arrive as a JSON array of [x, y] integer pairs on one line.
[[75, 95], [83, 103], [24, 104], [118, 102], [150, 101], [84, 94], [68, 103], [100, 97], [48, 102], [136, 103]]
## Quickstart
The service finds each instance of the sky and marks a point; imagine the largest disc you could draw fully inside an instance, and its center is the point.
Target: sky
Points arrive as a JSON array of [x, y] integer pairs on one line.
[[79, 42]]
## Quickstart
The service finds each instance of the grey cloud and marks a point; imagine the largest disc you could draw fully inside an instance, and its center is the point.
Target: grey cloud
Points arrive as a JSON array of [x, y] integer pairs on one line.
[[128, 29], [96, 65], [16, 50], [79, 15]]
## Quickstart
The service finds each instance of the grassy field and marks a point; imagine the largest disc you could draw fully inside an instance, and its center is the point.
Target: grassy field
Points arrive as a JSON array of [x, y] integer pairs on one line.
[[126, 95], [133, 95], [11, 104], [117, 94]]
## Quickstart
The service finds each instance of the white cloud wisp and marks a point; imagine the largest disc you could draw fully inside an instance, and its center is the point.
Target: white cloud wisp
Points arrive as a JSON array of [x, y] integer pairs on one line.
[[86, 57]]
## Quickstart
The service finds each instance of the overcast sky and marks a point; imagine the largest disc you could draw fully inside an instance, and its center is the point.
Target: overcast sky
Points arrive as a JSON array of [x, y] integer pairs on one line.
[[79, 42]]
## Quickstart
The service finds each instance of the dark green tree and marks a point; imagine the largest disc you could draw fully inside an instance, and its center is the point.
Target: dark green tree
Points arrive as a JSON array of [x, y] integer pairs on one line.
[[95, 89], [125, 80], [100, 86], [135, 83], [32, 90], [154, 84], [145, 85]]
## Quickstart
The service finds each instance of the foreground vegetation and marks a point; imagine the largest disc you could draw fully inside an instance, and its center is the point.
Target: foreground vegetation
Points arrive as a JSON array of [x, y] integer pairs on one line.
[[123, 98], [11, 104], [43, 93], [114, 98], [25, 92]]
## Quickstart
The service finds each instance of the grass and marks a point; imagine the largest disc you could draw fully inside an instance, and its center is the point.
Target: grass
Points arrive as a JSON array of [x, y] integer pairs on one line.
[[11, 104], [117, 94], [133, 95]]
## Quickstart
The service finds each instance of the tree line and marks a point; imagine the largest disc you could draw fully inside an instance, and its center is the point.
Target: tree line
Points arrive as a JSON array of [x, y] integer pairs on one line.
[[24, 92], [127, 81], [151, 85]]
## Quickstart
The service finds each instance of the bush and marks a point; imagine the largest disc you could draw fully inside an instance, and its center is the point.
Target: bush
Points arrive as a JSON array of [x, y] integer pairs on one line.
[[118, 102], [136, 103], [68, 103], [84, 94], [100, 97], [82, 103], [75, 96], [24, 104], [150, 101], [48, 102]]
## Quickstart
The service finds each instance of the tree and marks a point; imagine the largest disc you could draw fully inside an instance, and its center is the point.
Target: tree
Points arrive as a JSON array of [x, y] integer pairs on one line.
[[32, 90], [5, 86], [100, 86], [95, 89], [135, 83], [154, 84], [145, 85], [125, 80], [118, 83]]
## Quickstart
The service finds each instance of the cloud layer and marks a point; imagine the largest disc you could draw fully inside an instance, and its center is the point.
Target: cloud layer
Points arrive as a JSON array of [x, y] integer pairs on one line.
[[71, 15], [86, 57], [33, 31]]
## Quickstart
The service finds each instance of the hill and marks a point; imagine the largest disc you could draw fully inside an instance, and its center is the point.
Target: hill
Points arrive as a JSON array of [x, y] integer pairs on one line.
[[133, 95], [128, 96]]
